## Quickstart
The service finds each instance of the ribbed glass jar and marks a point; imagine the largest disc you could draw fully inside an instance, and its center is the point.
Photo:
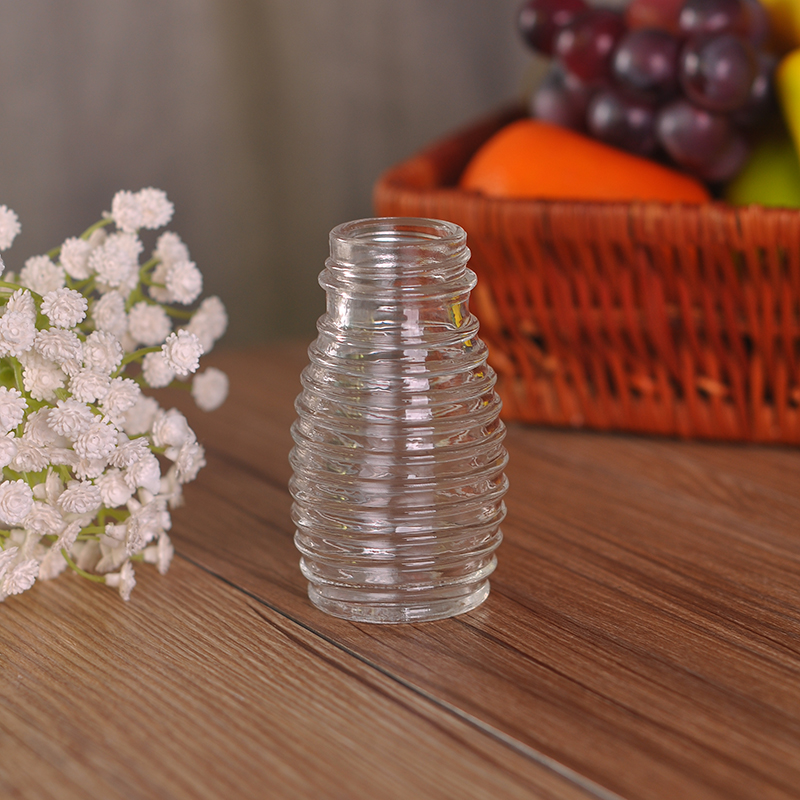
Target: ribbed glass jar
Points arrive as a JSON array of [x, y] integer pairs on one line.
[[398, 461]]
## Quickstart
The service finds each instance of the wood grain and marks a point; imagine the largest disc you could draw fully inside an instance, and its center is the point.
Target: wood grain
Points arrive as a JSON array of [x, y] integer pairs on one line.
[[643, 624], [195, 690]]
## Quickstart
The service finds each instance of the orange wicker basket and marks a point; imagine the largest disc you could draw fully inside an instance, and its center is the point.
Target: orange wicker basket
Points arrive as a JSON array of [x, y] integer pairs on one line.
[[673, 320]]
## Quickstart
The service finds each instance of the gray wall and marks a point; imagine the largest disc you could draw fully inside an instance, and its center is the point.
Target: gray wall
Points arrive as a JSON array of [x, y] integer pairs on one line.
[[266, 121]]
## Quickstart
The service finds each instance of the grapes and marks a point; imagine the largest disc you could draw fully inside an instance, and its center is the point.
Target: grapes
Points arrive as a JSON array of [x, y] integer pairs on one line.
[[717, 72], [623, 122], [692, 136], [681, 80], [757, 23], [646, 61], [562, 99], [725, 164], [540, 20], [586, 44], [661, 14], [760, 101], [712, 16]]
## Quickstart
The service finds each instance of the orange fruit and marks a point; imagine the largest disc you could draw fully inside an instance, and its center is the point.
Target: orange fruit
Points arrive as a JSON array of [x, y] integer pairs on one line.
[[534, 159]]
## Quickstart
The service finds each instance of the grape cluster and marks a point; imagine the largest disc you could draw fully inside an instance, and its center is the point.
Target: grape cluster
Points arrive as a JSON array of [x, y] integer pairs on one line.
[[684, 80]]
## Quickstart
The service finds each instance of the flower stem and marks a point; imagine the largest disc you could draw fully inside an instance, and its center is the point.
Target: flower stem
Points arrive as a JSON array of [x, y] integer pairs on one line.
[[82, 572], [135, 356], [181, 313]]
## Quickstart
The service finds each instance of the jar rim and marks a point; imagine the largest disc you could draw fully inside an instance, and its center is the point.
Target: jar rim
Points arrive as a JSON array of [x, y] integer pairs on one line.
[[399, 231]]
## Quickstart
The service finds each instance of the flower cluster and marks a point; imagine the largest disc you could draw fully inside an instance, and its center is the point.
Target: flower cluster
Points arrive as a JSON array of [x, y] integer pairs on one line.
[[91, 463]]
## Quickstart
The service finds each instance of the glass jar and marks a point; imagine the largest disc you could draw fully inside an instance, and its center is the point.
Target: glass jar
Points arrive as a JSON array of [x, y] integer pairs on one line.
[[398, 461]]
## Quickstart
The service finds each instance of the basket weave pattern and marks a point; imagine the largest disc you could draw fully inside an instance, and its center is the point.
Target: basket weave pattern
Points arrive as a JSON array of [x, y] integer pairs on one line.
[[675, 320]]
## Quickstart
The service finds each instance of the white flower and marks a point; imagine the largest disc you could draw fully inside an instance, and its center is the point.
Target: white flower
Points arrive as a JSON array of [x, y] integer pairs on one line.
[[88, 386], [160, 554], [170, 429], [108, 314], [8, 449], [65, 308], [30, 457], [210, 389], [98, 441], [116, 261], [41, 275], [60, 346], [139, 417], [22, 301], [184, 282], [156, 371], [80, 497], [17, 332], [156, 209], [68, 536], [113, 488], [9, 227], [146, 472], [74, 258], [7, 558], [52, 565], [158, 290], [182, 351], [70, 418], [87, 469], [171, 489], [44, 520], [129, 451], [189, 460], [102, 352], [12, 409], [148, 208], [16, 501], [149, 324], [126, 211], [209, 322], [122, 395], [114, 553], [38, 430], [21, 577], [123, 579], [170, 248], [40, 376]]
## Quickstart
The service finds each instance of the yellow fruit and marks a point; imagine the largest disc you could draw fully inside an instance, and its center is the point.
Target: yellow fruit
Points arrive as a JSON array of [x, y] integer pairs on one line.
[[771, 176], [787, 88]]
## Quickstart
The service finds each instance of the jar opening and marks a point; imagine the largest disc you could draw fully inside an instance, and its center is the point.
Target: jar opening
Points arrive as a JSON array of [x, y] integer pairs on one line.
[[412, 231]]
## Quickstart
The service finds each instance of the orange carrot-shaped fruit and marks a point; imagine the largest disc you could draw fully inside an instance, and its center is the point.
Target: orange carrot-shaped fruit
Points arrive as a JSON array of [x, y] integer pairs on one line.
[[534, 159]]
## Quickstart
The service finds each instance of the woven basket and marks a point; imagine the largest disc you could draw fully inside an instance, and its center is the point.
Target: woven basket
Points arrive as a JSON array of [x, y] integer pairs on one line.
[[674, 320]]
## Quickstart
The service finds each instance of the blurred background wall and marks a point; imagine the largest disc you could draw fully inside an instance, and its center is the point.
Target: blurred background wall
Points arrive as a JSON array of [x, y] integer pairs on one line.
[[266, 122]]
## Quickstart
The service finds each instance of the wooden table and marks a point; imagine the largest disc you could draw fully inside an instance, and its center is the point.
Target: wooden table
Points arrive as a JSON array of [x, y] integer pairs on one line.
[[642, 639]]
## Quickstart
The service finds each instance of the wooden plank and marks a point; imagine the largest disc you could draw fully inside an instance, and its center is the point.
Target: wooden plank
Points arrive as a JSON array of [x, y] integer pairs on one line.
[[195, 690], [643, 622]]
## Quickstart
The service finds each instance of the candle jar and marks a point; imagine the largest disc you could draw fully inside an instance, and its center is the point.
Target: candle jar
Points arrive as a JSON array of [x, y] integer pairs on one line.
[[398, 460]]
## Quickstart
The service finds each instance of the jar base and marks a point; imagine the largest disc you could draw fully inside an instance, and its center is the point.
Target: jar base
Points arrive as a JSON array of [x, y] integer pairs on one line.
[[359, 609]]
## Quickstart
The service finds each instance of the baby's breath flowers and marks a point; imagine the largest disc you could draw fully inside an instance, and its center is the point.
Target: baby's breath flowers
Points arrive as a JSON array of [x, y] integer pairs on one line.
[[91, 464]]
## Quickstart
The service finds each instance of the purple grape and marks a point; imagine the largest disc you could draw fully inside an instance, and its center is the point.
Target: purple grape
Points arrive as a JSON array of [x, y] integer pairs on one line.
[[717, 72], [712, 17], [622, 122], [646, 61], [756, 28], [727, 162], [561, 99], [761, 99], [586, 45], [692, 136], [539, 21]]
